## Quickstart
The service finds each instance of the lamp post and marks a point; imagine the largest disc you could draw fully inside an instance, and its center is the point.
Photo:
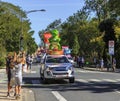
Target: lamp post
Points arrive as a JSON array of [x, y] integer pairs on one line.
[[21, 35]]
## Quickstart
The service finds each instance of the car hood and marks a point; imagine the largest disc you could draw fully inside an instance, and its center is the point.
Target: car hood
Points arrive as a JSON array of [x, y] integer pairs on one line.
[[58, 65]]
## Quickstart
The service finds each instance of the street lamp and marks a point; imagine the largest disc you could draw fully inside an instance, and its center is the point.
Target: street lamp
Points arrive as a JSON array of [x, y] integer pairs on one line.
[[21, 36]]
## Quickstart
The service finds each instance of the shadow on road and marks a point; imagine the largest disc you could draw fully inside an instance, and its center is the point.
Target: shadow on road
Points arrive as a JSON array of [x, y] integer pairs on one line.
[[63, 85]]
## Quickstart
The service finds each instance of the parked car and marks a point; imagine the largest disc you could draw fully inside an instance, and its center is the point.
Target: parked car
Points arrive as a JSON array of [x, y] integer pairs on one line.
[[56, 67]]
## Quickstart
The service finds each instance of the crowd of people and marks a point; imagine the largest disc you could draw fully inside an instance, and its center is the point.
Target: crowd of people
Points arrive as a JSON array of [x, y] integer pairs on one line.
[[79, 60], [99, 63], [15, 65], [102, 64]]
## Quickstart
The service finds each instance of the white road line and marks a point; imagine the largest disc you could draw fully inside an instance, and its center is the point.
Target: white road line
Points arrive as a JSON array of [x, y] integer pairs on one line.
[[87, 71], [58, 96], [109, 80], [118, 92], [117, 79], [95, 80], [82, 80], [33, 72]]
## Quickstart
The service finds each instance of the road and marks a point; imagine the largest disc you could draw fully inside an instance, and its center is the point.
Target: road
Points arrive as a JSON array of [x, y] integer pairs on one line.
[[88, 86]]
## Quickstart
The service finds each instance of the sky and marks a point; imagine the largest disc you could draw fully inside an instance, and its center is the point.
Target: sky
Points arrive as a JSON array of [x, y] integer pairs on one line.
[[55, 9]]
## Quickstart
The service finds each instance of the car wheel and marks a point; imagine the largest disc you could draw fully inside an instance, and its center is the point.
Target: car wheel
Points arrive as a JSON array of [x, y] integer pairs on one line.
[[44, 80], [71, 80]]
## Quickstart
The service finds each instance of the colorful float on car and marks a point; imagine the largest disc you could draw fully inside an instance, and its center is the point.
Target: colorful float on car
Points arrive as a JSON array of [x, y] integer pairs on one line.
[[52, 42]]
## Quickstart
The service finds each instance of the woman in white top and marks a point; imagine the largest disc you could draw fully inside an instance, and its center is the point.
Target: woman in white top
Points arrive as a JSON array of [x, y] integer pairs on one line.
[[18, 74]]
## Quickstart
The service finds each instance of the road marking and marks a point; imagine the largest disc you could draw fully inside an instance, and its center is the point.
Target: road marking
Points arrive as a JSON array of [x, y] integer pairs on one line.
[[32, 71], [117, 79], [87, 71], [103, 81], [118, 92], [58, 96], [82, 80], [109, 80]]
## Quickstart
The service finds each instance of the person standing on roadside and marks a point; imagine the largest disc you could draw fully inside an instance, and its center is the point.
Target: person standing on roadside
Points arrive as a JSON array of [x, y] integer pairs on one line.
[[30, 62], [82, 61], [18, 74], [8, 73], [9, 70], [102, 64]]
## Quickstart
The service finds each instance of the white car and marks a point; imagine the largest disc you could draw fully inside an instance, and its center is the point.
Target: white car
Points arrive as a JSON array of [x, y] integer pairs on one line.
[[56, 67]]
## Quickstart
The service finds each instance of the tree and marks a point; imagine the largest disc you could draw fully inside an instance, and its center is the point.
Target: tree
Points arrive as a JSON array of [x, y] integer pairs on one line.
[[99, 7], [75, 43], [11, 29], [106, 26], [114, 6]]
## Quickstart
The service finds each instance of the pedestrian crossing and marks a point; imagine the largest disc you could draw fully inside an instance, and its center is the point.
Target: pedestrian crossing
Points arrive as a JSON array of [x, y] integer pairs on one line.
[[3, 79], [100, 81], [87, 81]]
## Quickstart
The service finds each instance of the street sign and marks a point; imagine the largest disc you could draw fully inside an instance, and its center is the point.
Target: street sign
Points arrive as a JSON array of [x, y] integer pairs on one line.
[[111, 43], [111, 47], [111, 50]]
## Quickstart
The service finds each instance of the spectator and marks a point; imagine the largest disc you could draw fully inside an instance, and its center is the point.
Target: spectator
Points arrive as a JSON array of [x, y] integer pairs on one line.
[[102, 64], [27, 61], [79, 61], [82, 61], [10, 72], [30, 62], [18, 74]]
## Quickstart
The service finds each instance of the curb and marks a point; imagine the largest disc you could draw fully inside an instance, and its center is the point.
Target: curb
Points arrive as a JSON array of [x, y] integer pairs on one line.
[[28, 95]]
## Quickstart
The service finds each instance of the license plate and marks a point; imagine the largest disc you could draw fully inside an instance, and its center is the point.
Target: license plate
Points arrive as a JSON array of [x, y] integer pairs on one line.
[[60, 75]]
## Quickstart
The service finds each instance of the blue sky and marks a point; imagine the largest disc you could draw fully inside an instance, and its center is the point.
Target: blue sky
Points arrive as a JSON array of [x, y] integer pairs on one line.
[[55, 9]]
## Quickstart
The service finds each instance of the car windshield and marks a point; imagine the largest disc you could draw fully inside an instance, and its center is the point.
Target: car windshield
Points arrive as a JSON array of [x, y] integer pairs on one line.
[[57, 60]]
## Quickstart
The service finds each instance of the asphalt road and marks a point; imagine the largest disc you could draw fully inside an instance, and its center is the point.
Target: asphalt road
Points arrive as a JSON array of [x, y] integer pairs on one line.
[[88, 86]]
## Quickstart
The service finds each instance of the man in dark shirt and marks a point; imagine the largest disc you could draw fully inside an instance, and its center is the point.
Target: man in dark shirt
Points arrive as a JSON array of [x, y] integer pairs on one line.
[[8, 71]]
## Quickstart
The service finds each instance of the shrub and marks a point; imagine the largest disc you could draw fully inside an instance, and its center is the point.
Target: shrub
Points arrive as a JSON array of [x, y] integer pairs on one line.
[[2, 62]]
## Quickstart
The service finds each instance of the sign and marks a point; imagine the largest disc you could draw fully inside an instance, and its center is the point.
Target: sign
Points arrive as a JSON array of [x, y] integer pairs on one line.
[[111, 50], [111, 43], [111, 47]]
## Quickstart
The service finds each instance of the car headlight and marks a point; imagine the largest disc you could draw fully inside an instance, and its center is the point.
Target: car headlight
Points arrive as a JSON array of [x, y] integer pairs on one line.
[[48, 68], [70, 68]]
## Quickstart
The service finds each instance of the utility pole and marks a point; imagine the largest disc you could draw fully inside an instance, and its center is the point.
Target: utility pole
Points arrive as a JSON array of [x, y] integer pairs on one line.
[[21, 35]]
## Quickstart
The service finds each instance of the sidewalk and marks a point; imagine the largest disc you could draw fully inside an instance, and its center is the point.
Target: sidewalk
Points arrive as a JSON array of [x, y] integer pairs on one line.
[[26, 94]]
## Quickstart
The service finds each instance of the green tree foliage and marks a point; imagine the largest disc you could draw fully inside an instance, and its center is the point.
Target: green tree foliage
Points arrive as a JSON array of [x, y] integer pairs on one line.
[[106, 26], [88, 31], [14, 23], [114, 6], [75, 48]]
